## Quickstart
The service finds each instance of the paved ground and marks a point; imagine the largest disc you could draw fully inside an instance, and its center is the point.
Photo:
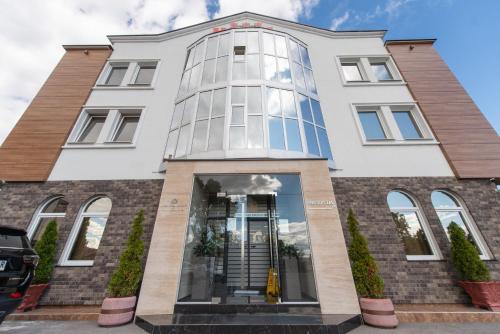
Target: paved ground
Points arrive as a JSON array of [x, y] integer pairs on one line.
[[84, 327]]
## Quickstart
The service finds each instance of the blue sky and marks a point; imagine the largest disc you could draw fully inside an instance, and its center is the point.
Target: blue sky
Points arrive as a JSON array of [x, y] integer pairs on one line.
[[467, 33]]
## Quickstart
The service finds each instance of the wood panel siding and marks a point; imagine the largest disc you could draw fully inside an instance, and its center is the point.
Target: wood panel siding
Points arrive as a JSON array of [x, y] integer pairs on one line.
[[33, 146], [469, 142]]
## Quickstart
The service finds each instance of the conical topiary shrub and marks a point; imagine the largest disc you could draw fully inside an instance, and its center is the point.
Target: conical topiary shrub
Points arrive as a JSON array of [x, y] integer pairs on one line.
[[119, 307], [368, 282], [376, 310], [465, 257], [126, 277], [46, 249]]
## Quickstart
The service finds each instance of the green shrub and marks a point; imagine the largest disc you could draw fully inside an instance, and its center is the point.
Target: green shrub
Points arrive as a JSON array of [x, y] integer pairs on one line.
[[126, 277], [465, 257], [46, 249], [368, 282]]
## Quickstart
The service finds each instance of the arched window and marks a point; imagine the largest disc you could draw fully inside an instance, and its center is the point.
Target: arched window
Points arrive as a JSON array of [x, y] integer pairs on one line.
[[412, 228], [52, 209], [449, 209], [87, 232]]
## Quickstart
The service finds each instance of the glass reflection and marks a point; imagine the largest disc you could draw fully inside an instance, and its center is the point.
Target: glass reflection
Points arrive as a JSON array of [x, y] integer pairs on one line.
[[240, 227]]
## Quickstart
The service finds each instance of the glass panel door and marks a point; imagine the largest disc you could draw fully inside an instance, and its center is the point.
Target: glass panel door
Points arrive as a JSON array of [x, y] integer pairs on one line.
[[242, 230]]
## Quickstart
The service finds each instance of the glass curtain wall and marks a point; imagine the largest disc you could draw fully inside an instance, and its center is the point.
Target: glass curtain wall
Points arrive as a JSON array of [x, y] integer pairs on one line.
[[248, 93], [241, 229]]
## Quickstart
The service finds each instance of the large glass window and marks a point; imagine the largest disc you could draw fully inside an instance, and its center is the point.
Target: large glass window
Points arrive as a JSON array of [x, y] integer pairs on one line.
[[52, 209], [87, 232], [449, 210], [411, 228], [256, 92], [241, 228]]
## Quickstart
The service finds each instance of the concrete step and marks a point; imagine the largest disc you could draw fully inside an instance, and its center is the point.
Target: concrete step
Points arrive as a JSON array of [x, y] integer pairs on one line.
[[409, 313], [248, 323]]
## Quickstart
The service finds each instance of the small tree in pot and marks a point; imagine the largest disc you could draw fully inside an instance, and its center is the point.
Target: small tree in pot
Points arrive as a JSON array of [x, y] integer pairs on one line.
[[119, 307], [377, 310], [474, 273], [46, 249]]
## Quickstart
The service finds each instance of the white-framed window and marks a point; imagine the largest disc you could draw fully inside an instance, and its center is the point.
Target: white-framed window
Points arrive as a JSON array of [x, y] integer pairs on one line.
[[368, 70], [372, 124], [126, 126], [128, 74], [449, 209], [54, 208], [101, 127], [351, 69], [115, 73], [412, 228], [392, 124], [91, 128], [86, 234], [145, 73], [407, 124]]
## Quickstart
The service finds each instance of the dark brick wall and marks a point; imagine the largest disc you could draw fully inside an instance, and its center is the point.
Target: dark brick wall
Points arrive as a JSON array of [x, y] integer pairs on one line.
[[418, 281], [84, 285]]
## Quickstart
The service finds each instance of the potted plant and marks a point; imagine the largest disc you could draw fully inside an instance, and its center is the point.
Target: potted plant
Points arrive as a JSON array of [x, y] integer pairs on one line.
[[376, 310], [118, 308], [474, 274], [46, 249]]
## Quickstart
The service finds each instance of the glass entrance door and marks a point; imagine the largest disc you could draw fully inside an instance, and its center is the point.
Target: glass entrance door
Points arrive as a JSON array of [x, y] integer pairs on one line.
[[249, 248], [241, 229]]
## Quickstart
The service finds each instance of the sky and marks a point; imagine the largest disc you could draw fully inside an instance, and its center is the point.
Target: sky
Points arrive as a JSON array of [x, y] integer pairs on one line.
[[32, 32]]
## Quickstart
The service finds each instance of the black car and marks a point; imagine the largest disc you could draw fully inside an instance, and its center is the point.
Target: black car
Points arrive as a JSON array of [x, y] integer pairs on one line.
[[17, 268]]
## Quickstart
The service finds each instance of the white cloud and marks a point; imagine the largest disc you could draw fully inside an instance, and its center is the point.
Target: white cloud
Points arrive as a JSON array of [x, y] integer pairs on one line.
[[285, 9], [33, 32], [338, 21], [392, 7]]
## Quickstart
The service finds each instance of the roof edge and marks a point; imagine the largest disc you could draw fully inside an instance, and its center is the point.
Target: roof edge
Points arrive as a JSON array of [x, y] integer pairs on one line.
[[410, 41], [87, 46], [244, 15]]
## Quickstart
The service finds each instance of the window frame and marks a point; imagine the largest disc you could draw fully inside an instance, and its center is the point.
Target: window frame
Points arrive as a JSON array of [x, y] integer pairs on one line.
[[128, 81], [468, 221], [108, 69], [88, 119], [122, 114], [433, 245], [357, 63], [137, 68], [364, 65], [75, 230], [390, 126], [110, 127], [39, 214]]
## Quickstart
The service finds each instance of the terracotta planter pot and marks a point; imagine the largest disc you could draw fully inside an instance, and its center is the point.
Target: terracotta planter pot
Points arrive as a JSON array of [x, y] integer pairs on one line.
[[117, 311], [31, 297], [378, 312], [483, 294]]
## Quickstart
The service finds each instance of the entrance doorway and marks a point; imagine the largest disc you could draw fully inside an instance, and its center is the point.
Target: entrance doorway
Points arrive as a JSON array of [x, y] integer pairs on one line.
[[239, 235]]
